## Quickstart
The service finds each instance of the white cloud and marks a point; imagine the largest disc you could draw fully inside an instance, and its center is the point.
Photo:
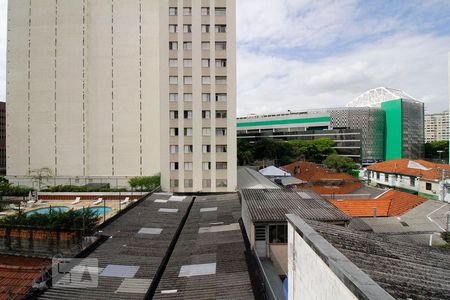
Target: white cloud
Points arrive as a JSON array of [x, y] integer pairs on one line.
[[416, 64]]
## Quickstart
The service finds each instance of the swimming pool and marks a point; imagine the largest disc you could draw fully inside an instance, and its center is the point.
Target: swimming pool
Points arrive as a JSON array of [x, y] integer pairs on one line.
[[46, 210], [99, 210]]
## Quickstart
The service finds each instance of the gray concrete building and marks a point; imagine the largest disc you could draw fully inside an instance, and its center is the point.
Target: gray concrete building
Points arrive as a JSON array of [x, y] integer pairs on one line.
[[436, 127], [101, 90]]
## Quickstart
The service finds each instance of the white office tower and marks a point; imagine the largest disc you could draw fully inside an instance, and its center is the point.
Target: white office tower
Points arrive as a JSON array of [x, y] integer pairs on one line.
[[103, 90]]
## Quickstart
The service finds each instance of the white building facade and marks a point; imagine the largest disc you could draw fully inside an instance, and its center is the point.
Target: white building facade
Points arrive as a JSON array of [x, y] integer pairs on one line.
[[436, 127], [103, 90]]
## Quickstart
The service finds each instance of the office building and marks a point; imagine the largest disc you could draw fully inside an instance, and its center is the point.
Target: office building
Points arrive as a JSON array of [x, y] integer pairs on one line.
[[436, 127], [380, 124], [99, 91]]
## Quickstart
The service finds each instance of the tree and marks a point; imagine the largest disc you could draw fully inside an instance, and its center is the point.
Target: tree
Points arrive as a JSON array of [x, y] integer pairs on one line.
[[145, 183], [40, 174], [339, 163], [437, 150], [312, 150], [245, 152]]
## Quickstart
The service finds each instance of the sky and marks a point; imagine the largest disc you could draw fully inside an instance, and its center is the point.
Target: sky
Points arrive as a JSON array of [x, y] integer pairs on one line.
[[304, 54]]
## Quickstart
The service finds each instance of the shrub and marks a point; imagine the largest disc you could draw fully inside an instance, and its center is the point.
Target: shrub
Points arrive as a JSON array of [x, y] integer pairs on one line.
[[80, 219], [145, 183], [80, 189]]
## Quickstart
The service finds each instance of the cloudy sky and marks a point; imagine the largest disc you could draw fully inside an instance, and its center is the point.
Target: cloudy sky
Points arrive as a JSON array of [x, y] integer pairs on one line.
[[299, 54]]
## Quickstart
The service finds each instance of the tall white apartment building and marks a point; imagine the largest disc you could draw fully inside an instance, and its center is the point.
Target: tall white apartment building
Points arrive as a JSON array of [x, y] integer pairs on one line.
[[436, 127], [102, 90]]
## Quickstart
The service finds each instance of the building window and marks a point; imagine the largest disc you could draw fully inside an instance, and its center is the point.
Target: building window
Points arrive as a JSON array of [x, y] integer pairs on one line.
[[173, 28], [206, 97], [206, 45], [206, 165], [187, 114], [173, 11], [412, 181], [428, 186], [205, 63], [173, 149], [173, 80], [386, 177], [188, 131], [205, 11], [187, 97], [206, 114], [173, 45], [188, 148], [206, 183], [221, 28], [221, 131], [221, 148], [173, 131], [174, 166], [221, 63], [221, 183], [205, 28], [188, 183], [206, 80], [173, 114], [278, 234], [173, 97], [187, 45], [187, 11], [206, 148], [187, 28], [221, 97], [221, 165], [221, 80], [378, 175], [221, 11], [188, 166], [187, 63], [221, 114], [187, 79], [206, 131], [221, 45], [173, 63], [174, 183]]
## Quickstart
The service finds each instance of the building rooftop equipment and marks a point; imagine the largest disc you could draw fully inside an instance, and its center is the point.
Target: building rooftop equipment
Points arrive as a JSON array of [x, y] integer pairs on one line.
[[266, 205], [404, 270], [251, 179], [392, 203], [376, 96]]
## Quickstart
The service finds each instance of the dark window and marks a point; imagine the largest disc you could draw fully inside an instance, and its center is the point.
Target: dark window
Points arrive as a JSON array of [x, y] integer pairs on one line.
[[278, 233], [412, 182], [428, 186]]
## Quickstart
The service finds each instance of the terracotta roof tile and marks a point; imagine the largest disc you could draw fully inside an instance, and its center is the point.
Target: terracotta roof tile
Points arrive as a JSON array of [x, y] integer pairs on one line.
[[392, 203], [400, 166], [17, 274]]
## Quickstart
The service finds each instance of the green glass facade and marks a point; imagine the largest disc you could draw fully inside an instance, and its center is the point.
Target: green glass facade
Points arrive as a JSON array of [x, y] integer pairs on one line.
[[393, 129]]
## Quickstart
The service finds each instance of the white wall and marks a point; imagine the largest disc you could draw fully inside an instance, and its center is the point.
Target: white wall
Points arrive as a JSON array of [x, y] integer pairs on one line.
[[309, 277]]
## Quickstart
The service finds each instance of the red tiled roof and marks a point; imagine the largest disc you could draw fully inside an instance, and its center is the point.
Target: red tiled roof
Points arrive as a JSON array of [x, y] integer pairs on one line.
[[17, 274], [313, 172], [322, 180], [400, 166], [390, 204]]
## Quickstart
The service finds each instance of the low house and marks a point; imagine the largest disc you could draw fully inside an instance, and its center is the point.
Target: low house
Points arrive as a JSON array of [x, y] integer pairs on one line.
[[414, 176], [264, 217]]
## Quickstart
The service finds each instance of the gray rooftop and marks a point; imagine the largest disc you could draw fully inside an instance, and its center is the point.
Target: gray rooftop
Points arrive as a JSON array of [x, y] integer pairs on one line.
[[250, 179], [140, 238], [267, 205], [404, 270]]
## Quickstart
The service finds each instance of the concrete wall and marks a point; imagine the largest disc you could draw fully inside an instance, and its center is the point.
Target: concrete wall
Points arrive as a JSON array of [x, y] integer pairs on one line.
[[317, 270], [279, 255], [88, 91]]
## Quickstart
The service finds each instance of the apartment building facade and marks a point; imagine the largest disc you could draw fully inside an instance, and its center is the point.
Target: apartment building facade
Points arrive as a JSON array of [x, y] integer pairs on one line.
[[436, 127], [103, 90]]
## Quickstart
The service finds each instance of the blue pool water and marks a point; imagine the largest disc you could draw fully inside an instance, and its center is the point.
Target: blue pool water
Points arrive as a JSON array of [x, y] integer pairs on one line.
[[46, 210], [99, 210]]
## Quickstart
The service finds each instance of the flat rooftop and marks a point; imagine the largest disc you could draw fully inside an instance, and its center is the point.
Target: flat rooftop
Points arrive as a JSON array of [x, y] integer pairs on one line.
[[207, 262]]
